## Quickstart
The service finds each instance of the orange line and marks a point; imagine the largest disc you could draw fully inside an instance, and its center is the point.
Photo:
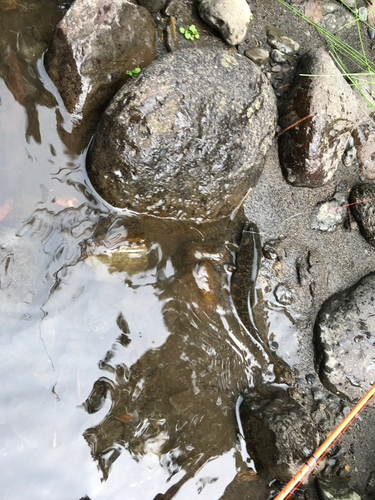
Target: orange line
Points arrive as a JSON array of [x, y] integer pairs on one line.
[[322, 450], [348, 205], [294, 124]]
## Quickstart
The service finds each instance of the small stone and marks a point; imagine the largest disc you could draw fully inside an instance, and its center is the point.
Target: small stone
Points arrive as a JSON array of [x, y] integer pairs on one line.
[[278, 269], [230, 17], [276, 69], [278, 39], [258, 56], [371, 33], [278, 56], [362, 13], [327, 215], [283, 294], [171, 36], [241, 50]]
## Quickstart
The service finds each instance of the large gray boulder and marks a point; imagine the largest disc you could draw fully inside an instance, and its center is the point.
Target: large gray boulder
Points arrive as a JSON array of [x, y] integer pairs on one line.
[[187, 138], [93, 47], [230, 17], [310, 152], [344, 340]]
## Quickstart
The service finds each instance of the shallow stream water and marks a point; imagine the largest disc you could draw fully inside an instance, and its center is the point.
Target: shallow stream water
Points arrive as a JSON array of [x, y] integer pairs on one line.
[[120, 373]]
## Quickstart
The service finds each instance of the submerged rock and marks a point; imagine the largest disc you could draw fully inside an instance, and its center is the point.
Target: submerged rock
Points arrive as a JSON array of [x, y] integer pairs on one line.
[[279, 433], [363, 210], [187, 138], [310, 151], [345, 342], [230, 17], [364, 141], [93, 47]]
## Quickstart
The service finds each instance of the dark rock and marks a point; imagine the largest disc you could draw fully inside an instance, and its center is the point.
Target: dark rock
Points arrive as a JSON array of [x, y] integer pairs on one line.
[[279, 433], [186, 138], [278, 39], [152, 5], [92, 49], [335, 488], [310, 151], [247, 485], [364, 141], [345, 342], [364, 212], [230, 17], [257, 55]]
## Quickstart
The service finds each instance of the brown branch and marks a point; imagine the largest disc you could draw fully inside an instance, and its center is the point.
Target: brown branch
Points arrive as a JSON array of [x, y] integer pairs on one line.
[[294, 124]]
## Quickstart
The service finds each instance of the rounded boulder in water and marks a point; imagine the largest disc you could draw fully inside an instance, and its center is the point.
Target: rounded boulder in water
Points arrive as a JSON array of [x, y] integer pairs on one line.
[[186, 138]]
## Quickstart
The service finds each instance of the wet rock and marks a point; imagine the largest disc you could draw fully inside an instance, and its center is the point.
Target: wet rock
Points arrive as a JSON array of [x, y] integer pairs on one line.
[[327, 215], [8, 4], [278, 39], [279, 433], [310, 151], [191, 146], [93, 47], [283, 294], [257, 55], [152, 5], [364, 213], [335, 488], [344, 340], [230, 17], [128, 253], [247, 485], [364, 141]]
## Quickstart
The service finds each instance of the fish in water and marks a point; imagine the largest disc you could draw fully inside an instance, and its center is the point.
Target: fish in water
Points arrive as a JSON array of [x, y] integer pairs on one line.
[[243, 294]]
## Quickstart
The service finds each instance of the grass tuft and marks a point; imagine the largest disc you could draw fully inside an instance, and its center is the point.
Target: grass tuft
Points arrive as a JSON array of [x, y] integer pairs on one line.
[[340, 50]]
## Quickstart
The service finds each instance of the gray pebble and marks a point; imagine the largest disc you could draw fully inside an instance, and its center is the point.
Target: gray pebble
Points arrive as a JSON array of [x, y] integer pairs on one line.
[[278, 56]]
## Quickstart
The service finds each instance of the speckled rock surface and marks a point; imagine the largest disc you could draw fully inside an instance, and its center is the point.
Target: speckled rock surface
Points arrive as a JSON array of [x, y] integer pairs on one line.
[[344, 340], [364, 141], [310, 152], [230, 17], [279, 433], [364, 212], [93, 47], [172, 138]]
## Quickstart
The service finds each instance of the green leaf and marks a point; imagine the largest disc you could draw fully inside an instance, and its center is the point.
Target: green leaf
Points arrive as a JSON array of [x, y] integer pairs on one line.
[[192, 27], [182, 30], [188, 36], [129, 73], [136, 70], [196, 35]]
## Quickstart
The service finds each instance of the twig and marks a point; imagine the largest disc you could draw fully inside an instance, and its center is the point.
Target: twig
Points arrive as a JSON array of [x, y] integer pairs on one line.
[[294, 124]]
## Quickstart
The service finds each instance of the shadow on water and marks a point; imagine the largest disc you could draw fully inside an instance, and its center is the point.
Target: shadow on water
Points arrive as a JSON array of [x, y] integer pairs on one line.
[[119, 335]]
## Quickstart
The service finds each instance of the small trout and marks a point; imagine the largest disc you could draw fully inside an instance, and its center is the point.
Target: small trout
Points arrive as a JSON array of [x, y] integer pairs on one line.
[[243, 294]]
